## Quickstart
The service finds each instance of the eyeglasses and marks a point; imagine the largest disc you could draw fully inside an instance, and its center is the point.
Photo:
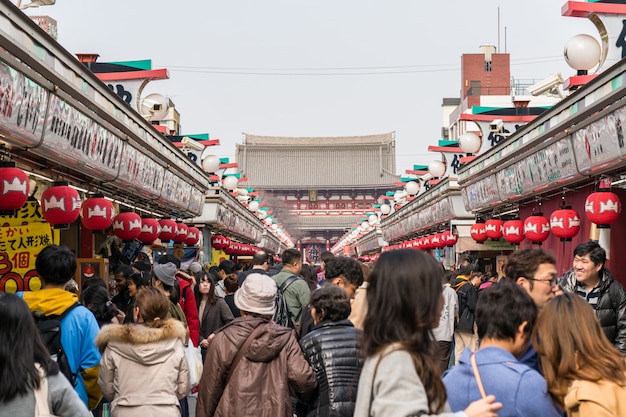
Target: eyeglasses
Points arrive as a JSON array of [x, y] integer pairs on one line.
[[551, 281]]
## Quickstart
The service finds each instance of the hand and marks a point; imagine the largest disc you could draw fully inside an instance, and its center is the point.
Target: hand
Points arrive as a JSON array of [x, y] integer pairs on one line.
[[119, 317], [204, 343], [486, 407]]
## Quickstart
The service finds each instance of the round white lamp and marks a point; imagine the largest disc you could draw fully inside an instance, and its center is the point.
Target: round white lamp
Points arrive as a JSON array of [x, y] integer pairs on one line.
[[211, 163], [470, 142], [436, 169], [412, 187], [385, 208], [242, 191], [274, 226], [262, 214], [230, 182], [582, 52], [372, 219], [253, 206], [268, 221]]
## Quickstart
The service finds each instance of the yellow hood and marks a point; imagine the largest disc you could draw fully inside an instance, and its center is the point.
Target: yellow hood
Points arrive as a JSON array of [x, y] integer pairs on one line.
[[53, 301]]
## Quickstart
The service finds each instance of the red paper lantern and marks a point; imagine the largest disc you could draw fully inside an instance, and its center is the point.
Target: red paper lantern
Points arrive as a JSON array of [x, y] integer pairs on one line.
[[477, 232], [127, 225], [437, 242], [150, 230], [60, 205], [97, 213], [14, 188], [449, 238], [182, 230], [168, 229], [220, 242], [233, 248], [603, 208], [193, 236], [513, 231], [493, 229], [537, 228], [565, 223], [426, 245]]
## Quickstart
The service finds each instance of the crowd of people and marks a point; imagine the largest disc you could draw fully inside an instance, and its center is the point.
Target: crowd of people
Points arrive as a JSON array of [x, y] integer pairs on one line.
[[402, 337]]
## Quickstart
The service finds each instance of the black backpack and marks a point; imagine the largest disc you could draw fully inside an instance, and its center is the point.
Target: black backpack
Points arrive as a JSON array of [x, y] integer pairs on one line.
[[281, 315], [50, 330]]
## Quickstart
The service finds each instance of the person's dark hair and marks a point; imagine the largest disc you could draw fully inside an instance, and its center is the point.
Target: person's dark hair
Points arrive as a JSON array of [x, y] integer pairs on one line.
[[153, 306], [594, 250], [405, 289], [348, 268], [231, 283], [94, 281], [96, 299], [214, 270], [290, 256], [173, 290], [238, 267], [140, 279], [465, 270], [524, 263], [20, 349], [331, 303], [310, 277], [227, 266], [366, 270], [501, 309], [169, 257], [326, 256], [56, 264], [448, 276], [125, 270], [259, 258], [211, 297]]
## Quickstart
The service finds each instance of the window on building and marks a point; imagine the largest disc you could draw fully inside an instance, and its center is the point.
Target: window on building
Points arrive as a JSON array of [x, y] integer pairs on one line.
[[487, 66]]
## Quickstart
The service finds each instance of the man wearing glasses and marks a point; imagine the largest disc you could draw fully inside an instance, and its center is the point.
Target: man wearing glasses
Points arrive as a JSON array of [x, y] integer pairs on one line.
[[590, 279]]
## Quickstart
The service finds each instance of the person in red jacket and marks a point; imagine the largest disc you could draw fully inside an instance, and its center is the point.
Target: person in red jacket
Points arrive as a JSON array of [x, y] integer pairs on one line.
[[187, 300]]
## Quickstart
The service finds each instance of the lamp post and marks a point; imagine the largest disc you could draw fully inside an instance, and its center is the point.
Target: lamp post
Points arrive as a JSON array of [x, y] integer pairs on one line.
[[34, 3]]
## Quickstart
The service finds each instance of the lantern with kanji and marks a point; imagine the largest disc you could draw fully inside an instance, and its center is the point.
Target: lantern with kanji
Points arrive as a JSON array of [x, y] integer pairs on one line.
[[193, 236], [437, 242], [168, 229], [537, 228], [477, 232], [182, 230], [60, 205], [150, 230], [127, 225], [565, 223], [603, 208], [426, 245], [493, 229], [513, 231], [220, 242], [449, 238], [14, 188], [97, 213]]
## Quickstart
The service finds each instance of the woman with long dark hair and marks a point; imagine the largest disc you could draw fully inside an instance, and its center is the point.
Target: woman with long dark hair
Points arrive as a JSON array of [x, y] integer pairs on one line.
[[96, 299], [136, 281], [26, 370], [401, 375], [213, 312], [586, 374]]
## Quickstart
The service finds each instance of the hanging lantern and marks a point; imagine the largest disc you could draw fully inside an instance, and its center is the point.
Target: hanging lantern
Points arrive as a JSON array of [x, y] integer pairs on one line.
[[60, 205], [477, 232], [182, 230], [435, 241], [603, 208], [14, 188], [150, 230], [193, 236], [426, 245], [168, 229], [220, 242], [127, 225], [565, 223], [493, 229], [537, 228], [449, 238], [97, 213], [513, 231]]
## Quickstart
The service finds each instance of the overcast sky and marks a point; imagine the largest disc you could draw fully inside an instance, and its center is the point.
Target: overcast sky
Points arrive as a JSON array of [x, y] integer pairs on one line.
[[316, 68]]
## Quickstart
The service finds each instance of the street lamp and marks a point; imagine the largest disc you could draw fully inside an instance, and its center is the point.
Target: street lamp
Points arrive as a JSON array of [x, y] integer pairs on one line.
[[34, 3]]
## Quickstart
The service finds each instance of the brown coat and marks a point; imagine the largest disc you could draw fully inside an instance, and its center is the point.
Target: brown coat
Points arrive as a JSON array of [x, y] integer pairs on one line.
[[272, 368], [143, 370], [595, 399]]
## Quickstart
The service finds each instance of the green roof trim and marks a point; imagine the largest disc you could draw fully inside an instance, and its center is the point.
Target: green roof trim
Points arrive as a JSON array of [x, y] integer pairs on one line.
[[144, 64], [420, 167], [376, 205], [198, 136], [224, 160], [481, 109], [448, 142], [390, 193], [236, 175]]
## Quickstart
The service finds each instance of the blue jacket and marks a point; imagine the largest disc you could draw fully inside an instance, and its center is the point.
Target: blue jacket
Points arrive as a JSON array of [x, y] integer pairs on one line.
[[521, 390]]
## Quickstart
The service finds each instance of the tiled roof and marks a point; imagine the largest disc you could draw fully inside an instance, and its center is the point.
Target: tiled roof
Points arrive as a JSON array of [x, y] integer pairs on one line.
[[314, 163], [326, 222]]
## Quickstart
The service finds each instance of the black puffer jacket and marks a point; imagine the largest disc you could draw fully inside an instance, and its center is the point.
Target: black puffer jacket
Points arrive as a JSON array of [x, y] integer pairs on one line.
[[333, 350], [611, 307]]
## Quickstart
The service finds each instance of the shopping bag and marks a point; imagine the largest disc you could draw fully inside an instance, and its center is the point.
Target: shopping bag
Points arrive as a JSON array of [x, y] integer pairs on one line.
[[194, 361]]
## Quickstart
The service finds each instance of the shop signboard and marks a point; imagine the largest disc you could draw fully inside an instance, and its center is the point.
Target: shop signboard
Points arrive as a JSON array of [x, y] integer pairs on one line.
[[140, 174], [480, 193], [23, 105], [600, 144]]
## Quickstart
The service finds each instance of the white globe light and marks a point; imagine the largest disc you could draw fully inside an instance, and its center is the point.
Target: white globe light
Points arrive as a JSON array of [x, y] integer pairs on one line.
[[230, 182], [582, 52], [470, 142], [364, 225], [268, 221], [211, 163], [253, 206], [436, 169], [262, 214], [243, 198], [242, 191], [412, 187], [372, 219], [274, 226], [385, 208]]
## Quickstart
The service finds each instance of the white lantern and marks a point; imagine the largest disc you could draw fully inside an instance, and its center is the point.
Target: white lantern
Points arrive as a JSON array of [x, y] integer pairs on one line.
[[242, 191], [253, 206], [262, 214], [582, 52], [211, 163], [372, 219], [470, 142], [243, 198], [412, 187], [385, 208], [436, 169], [274, 226], [230, 182], [268, 221]]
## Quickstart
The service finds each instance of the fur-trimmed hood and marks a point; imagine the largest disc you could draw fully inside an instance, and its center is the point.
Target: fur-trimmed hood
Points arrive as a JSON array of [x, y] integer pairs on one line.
[[142, 344]]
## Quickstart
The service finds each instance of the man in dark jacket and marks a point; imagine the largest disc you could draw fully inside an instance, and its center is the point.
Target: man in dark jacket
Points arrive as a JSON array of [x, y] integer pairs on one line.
[[464, 334], [590, 279], [260, 265]]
